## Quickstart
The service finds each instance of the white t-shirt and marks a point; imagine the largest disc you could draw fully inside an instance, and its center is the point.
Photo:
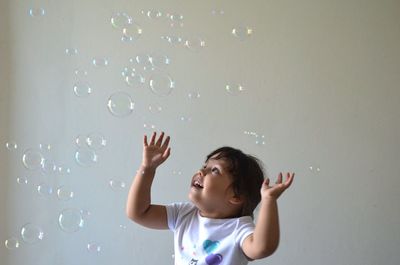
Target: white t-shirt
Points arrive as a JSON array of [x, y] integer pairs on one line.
[[205, 241]]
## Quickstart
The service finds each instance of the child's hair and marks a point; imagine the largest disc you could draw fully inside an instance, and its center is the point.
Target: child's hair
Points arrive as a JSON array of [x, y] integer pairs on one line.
[[247, 176]]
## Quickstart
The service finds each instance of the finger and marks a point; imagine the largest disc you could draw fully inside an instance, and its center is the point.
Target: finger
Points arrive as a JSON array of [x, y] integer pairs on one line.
[[266, 182], [145, 141], [159, 141], [289, 180], [166, 142], [166, 153], [153, 137], [279, 178]]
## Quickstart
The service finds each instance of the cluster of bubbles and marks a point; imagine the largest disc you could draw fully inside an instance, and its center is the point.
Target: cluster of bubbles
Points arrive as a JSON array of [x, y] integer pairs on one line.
[[259, 139], [87, 146], [130, 30], [174, 19]]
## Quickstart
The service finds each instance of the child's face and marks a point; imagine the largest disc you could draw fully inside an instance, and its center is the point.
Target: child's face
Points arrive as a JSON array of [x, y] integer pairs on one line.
[[210, 187]]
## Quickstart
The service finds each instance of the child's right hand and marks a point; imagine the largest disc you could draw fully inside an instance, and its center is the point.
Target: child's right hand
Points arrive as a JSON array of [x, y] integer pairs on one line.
[[155, 153]]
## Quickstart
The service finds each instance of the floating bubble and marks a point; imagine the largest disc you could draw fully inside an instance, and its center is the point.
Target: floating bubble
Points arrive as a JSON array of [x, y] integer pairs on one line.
[[80, 73], [176, 20], [195, 44], [143, 60], [149, 126], [173, 40], [242, 32], [100, 62], [22, 180], [71, 51], [159, 61], [82, 89], [36, 12], [152, 14], [85, 157], [194, 95], [80, 140], [31, 233], [62, 169], [133, 78], [216, 12], [45, 147], [155, 108], [185, 119], [120, 104], [11, 243], [11, 145], [48, 166], [121, 20], [93, 247], [234, 88], [131, 32], [44, 189], [314, 169], [70, 220], [161, 83], [117, 184], [32, 159], [96, 141], [64, 194]]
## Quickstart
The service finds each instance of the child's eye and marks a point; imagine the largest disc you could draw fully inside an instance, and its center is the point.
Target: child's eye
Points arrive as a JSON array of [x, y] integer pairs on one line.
[[215, 170]]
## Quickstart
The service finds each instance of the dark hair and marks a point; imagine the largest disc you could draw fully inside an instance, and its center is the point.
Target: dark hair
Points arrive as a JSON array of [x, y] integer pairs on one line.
[[247, 176]]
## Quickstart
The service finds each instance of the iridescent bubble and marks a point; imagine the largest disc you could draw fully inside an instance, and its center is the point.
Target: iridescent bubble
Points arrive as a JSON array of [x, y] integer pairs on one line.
[[314, 169], [134, 78], [121, 20], [32, 159], [159, 61], [194, 95], [80, 73], [96, 141], [120, 104], [62, 169], [11, 145], [155, 108], [70, 220], [161, 83], [22, 180], [149, 126], [131, 32], [100, 62], [176, 20], [173, 40], [64, 194], [85, 157], [117, 184], [48, 166], [82, 89], [143, 60], [195, 44], [242, 32], [45, 147], [11, 243], [80, 140], [234, 88], [31, 233], [44, 189], [71, 51], [152, 14], [36, 12], [185, 119], [93, 247]]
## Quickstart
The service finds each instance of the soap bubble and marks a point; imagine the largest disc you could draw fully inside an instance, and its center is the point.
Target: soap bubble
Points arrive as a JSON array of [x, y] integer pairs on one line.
[[71, 51], [93, 247], [11, 243], [82, 89], [11, 145], [31, 233], [242, 32], [80, 73], [176, 20], [44, 189], [121, 20], [195, 44], [234, 88], [133, 78], [216, 12], [152, 14], [117, 184], [64, 194], [96, 141], [161, 83], [70, 220], [32, 159], [22, 180], [194, 95], [131, 32], [100, 62], [48, 166], [155, 108], [159, 61], [173, 40], [120, 104], [62, 169], [85, 157], [36, 12]]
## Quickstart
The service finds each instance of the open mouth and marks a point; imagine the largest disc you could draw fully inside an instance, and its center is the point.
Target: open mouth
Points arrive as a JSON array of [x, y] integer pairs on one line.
[[197, 184]]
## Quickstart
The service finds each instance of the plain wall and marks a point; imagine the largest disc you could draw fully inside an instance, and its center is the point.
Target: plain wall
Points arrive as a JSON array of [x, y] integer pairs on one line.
[[321, 84]]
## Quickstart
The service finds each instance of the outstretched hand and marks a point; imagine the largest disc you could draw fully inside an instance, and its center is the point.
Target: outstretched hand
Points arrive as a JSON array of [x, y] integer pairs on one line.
[[275, 191], [155, 152]]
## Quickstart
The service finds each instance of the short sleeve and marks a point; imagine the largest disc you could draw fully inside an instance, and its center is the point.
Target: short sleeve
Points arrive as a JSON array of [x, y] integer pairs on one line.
[[175, 211], [244, 229]]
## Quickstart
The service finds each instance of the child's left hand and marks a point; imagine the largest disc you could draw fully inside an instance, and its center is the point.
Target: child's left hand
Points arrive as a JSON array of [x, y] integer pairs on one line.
[[268, 192]]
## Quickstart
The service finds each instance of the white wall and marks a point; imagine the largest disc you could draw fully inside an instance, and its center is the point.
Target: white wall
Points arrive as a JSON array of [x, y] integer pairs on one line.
[[320, 83]]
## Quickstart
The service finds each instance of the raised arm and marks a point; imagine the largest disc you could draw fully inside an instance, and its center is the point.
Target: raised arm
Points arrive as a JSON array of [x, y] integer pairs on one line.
[[138, 205], [265, 239]]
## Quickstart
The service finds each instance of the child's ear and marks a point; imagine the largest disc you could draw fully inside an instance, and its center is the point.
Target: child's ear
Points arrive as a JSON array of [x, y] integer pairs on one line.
[[236, 200]]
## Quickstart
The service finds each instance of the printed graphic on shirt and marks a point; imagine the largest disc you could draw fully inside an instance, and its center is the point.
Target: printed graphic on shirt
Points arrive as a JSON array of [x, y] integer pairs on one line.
[[193, 262]]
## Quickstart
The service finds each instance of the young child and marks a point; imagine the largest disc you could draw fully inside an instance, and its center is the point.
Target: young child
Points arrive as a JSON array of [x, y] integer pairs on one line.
[[217, 226]]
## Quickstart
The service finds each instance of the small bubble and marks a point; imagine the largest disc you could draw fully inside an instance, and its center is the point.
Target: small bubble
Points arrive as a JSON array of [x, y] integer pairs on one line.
[[36, 12], [11, 145], [31, 233], [93, 247], [242, 32], [11, 243]]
